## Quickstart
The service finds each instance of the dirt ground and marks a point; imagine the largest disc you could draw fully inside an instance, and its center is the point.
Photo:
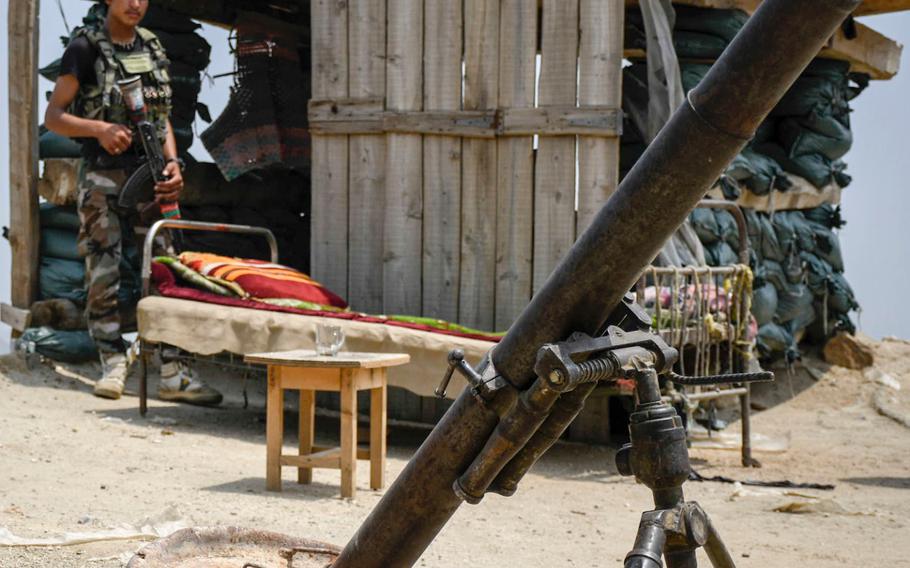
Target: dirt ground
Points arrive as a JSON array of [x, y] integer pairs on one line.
[[70, 462]]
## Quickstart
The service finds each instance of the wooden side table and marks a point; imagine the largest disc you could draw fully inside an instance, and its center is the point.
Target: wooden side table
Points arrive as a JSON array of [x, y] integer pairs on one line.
[[308, 372]]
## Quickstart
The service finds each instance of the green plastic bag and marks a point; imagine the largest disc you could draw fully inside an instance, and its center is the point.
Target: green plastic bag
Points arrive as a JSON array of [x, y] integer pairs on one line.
[[65, 346]]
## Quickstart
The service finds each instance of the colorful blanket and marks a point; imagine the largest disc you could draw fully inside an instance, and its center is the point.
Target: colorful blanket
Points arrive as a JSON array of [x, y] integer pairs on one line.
[[261, 280], [212, 289]]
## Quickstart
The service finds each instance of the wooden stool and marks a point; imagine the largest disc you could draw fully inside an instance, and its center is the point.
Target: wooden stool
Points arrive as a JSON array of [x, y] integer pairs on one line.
[[346, 373]]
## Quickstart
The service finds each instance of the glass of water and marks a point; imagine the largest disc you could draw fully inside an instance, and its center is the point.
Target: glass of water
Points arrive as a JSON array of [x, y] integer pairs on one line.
[[329, 339]]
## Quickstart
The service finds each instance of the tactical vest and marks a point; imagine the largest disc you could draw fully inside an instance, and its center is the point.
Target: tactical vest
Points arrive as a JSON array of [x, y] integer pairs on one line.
[[104, 102]]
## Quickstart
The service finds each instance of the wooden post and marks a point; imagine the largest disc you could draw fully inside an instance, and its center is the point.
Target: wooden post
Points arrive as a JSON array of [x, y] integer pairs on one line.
[[402, 232], [600, 70], [554, 186], [442, 161], [22, 46], [515, 187], [367, 159], [329, 226], [478, 215]]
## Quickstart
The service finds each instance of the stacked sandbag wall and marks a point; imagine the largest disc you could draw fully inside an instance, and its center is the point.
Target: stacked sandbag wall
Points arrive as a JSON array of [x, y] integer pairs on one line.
[[800, 292]]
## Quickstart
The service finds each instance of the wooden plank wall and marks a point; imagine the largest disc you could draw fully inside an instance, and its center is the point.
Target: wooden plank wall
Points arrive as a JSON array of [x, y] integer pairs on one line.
[[437, 201], [367, 157], [22, 49], [329, 172]]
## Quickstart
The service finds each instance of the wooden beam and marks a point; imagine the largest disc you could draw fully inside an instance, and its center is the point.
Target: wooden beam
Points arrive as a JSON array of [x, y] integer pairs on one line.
[[16, 318], [869, 52], [870, 7], [22, 47]]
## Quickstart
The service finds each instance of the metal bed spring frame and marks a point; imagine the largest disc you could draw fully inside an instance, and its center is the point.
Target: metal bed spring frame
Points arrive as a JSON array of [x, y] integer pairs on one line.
[[145, 348], [722, 351]]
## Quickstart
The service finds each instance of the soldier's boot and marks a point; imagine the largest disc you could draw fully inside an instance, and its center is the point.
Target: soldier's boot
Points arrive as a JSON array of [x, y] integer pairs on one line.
[[179, 384], [114, 370]]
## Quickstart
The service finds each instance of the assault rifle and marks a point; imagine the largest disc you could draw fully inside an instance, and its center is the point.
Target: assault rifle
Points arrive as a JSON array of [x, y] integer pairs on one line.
[[139, 187]]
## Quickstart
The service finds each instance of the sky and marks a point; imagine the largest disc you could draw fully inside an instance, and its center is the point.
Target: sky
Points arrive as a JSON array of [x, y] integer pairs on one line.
[[875, 241]]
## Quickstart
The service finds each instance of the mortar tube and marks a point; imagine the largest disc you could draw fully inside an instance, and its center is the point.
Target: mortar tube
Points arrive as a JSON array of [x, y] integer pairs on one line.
[[687, 157]]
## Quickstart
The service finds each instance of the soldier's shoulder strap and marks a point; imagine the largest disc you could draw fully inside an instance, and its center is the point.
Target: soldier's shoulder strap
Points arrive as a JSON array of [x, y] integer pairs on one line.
[[153, 43]]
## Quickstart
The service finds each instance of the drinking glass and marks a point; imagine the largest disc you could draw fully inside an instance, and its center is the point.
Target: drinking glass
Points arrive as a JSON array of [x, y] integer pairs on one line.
[[329, 339]]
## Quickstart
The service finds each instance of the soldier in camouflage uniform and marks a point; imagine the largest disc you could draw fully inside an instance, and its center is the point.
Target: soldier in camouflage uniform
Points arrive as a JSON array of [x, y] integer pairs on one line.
[[86, 104]]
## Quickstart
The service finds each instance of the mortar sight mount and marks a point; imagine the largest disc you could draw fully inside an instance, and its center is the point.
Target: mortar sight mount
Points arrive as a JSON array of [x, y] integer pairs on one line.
[[657, 454]]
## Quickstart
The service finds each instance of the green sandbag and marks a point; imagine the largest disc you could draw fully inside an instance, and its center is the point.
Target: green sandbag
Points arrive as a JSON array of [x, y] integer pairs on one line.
[[774, 340], [803, 229], [793, 267], [184, 138], [818, 273], [724, 24], [816, 168], [786, 234], [188, 48], [840, 295], [705, 225], [720, 254], [759, 173], [773, 272], [727, 228], [58, 217], [799, 139], [52, 145], [770, 247], [827, 247], [791, 302], [694, 45], [65, 346], [162, 19], [52, 70], [61, 278], [826, 215], [691, 74], [186, 89], [59, 243], [803, 317], [764, 303], [765, 130], [812, 94]]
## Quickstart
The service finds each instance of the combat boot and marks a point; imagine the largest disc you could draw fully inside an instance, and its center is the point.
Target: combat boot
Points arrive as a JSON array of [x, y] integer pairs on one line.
[[114, 370]]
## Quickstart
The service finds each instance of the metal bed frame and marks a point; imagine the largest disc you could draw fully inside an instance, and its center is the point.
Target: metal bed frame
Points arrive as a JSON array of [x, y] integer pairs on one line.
[[146, 349]]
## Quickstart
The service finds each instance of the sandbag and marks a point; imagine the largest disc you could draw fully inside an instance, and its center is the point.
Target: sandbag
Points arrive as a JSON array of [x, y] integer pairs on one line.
[[827, 248], [189, 48], [771, 248], [724, 24], [786, 234], [58, 217], [61, 278], [694, 45], [799, 139], [826, 215], [52, 145], [793, 267], [758, 172], [792, 302], [721, 254], [161, 19], [803, 229], [774, 340], [818, 273], [728, 230], [773, 272], [59, 243], [764, 303], [65, 346], [705, 224], [816, 168], [840, 295], [691, 74]]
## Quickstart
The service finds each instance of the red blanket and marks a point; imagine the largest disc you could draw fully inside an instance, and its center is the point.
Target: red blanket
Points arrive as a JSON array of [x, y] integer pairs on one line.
[[166, 283]]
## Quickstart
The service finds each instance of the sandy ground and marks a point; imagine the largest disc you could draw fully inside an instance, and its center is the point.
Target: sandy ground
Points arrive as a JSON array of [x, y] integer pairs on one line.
[[70, 462]]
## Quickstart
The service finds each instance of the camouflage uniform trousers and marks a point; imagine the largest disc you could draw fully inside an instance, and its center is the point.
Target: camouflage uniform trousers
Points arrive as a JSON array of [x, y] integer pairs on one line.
[[101, 241]]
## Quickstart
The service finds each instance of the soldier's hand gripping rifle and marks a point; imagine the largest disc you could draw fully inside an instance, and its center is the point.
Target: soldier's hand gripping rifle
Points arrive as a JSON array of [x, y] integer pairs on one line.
[[139, 187]]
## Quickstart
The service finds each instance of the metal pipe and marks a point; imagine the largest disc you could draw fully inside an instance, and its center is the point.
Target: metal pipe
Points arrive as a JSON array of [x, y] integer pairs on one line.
[[685, 159]]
